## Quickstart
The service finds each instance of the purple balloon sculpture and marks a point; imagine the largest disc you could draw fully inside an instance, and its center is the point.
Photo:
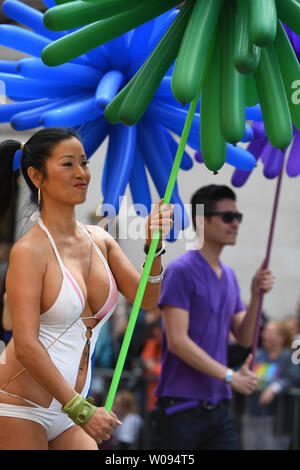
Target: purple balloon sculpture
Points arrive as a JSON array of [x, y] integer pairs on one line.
[[271, 157]]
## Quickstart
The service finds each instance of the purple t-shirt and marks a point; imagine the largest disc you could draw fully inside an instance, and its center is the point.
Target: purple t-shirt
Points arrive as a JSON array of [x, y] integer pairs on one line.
[[191, 284]]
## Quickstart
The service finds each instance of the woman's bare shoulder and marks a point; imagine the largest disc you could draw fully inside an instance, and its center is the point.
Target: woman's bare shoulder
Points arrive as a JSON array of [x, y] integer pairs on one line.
[[100, 234], [31, 245]]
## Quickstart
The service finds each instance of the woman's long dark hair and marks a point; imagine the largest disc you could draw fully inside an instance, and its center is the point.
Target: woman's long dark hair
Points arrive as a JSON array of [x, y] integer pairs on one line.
[[35, 153]]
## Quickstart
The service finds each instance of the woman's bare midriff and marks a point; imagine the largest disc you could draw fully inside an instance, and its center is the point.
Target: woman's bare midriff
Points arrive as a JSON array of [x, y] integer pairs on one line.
[[25, 386]]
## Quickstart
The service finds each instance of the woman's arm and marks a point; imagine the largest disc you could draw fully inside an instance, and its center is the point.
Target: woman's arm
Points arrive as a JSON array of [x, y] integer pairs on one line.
[[128, 278], [125, 274]]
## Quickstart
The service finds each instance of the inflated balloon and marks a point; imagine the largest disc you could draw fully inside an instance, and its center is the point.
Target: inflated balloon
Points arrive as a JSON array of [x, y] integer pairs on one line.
[[288, 12], [139, 92], [232, 83], [236, 156], [33, 19], [213, 145], [246, 53], [199, 32], [100, 31], [273, 164], [294, 40], [290, 72], [273, 99], [138, 181], [120, 156], [240, 176], [271, 157], [254, 44], [263, 22], [251, 97], [73, 74], [261, 147], [187, 162], [31, 118], [293, 163]]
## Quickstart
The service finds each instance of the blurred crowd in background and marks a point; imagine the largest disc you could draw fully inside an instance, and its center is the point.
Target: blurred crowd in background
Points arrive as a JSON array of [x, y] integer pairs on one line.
[[268, 419]]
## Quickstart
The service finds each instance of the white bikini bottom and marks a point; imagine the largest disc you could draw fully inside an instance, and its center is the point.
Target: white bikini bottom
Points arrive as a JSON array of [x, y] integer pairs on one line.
[[53, 420]]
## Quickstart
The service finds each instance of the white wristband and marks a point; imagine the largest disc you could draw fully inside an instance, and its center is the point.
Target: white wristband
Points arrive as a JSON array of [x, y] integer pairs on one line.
[[228, 376], [155, 279]]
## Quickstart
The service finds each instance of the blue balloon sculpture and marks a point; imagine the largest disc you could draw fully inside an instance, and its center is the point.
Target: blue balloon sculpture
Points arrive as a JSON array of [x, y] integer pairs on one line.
[[75, 94]]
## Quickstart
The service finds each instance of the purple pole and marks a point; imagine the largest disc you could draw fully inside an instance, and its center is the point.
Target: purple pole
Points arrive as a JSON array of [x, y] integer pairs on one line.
[[266, 264]]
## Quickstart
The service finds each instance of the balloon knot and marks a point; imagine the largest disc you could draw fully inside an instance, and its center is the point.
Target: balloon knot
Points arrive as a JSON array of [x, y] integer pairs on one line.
[[215, 172]]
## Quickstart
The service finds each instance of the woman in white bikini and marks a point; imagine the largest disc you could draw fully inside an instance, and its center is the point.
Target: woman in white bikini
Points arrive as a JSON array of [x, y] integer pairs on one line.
[[62, 285]]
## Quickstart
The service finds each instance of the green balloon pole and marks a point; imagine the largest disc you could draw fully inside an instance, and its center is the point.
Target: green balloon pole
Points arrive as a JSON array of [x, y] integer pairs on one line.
[[147, 268]]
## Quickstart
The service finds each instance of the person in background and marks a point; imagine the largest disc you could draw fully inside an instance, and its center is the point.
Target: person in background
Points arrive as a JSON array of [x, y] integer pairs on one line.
[[151, 356], [200, 304], [104, 349], [152, 315], [292, 323], [276, 374], [127, 435]]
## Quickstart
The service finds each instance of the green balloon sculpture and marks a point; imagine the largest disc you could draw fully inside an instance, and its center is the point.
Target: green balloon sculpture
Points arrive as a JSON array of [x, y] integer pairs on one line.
[[235, 51]]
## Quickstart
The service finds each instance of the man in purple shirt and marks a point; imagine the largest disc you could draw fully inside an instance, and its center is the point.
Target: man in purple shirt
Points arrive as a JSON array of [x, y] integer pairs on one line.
[[201, 304]]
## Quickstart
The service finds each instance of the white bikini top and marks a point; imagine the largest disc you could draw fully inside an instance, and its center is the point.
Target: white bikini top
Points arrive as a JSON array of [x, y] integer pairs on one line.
[[62, 330], [70, 301]]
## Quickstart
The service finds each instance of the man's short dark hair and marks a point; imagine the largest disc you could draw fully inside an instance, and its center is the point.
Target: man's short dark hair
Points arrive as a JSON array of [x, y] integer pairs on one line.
[[209, 196]]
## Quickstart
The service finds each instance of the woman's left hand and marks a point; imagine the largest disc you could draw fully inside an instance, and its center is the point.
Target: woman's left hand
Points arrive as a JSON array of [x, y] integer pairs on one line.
[[159, 219]]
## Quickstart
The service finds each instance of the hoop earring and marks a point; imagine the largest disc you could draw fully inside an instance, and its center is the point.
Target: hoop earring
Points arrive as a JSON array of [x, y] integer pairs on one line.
[[39, 198]]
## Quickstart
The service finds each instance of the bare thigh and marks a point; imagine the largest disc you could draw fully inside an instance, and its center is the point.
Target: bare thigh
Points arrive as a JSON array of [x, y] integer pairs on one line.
[[73, 438], [22, 434]]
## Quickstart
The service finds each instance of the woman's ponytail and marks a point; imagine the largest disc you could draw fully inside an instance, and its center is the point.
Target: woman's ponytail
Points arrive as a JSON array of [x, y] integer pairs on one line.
[[8, 149]]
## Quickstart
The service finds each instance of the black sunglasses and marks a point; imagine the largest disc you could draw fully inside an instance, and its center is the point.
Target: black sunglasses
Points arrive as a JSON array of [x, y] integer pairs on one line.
[[227, 216]]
